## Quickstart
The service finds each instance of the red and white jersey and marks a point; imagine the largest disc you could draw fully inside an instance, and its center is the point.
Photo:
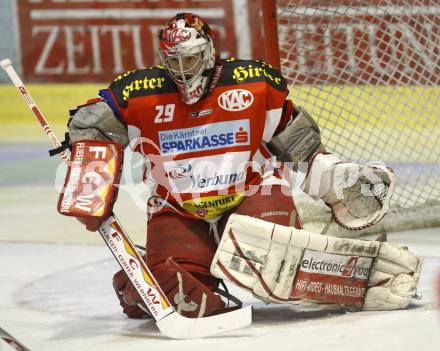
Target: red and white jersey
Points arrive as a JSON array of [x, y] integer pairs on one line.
[[203, 157]]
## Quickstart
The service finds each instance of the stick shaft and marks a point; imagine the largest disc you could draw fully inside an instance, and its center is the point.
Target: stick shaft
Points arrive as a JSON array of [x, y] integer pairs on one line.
[[10, 71], [11, 341]]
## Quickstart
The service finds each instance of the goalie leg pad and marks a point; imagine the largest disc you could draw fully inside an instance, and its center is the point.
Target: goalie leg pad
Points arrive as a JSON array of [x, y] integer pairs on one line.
[[129, 299], [188, 295], [179, 254], [285, 264], [265, 257], [394, 278]]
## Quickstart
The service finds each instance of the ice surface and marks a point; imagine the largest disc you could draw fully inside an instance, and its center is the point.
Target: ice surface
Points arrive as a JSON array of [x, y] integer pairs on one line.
[[59, 297]]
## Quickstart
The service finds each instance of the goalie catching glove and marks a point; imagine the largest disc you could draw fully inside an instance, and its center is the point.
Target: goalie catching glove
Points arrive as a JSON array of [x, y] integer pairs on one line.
[[285, 264], [358, 195]]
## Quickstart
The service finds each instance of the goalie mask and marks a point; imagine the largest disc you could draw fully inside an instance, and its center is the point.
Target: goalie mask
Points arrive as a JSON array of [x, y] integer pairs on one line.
[[188, 53]]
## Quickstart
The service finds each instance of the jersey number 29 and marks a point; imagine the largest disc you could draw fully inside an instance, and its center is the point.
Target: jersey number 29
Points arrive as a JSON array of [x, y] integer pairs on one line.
[[165, 113]]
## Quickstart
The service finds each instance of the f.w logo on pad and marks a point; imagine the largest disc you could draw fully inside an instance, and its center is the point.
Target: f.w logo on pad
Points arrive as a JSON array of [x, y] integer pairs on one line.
[[235, 100]]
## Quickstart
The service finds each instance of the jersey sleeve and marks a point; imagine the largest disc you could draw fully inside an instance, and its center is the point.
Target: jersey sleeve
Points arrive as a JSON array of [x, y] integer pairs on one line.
[[279, 109], [117, 96]]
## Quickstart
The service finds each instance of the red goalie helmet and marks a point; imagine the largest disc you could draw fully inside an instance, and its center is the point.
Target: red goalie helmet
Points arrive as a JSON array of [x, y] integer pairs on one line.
[[188, 53]]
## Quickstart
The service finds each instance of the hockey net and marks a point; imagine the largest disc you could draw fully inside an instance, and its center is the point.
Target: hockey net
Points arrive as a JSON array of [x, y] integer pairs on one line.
[[369, 72]]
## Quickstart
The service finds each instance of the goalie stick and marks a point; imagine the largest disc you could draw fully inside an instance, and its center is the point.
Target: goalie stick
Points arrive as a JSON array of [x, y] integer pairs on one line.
[[169, 322], [11, 341]]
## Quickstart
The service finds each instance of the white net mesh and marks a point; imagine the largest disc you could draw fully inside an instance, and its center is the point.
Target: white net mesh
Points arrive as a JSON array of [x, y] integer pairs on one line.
[[369, 73]]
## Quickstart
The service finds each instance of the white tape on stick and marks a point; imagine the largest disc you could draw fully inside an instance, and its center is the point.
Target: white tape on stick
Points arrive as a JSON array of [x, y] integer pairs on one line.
[[5, 63]]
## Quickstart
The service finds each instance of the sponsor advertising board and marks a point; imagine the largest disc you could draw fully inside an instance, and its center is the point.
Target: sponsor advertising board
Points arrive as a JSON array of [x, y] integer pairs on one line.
[[94, 40]]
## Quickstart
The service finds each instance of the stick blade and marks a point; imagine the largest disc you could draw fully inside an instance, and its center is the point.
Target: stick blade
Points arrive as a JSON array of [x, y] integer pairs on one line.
[[11, 341], [176, 326]]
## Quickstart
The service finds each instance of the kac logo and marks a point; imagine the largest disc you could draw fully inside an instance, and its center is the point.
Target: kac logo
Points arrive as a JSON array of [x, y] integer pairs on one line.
[[235, 100], [177, 35]]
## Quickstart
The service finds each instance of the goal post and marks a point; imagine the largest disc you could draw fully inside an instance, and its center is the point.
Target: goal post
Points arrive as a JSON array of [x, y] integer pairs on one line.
[[369, 73], [270, 32]]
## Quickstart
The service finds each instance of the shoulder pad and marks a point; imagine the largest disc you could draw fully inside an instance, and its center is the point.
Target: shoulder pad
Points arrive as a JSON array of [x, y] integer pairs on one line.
[[237, 71], [142, 82]]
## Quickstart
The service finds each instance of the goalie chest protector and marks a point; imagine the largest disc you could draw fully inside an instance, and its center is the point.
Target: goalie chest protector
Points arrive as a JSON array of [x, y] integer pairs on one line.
[[207, 146]]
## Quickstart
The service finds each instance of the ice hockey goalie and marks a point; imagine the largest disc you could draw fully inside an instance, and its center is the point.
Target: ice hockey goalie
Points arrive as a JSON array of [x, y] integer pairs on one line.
[[222, 143]]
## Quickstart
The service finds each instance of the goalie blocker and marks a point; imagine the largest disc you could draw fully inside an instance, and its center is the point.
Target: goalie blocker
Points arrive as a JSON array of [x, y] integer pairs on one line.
[[288, 265], [90, 187]]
